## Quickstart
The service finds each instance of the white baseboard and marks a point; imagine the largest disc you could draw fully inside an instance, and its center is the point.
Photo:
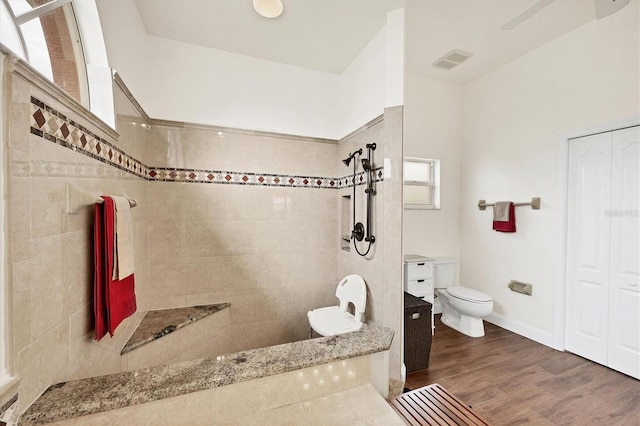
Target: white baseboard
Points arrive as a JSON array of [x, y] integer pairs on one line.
[[525, 330]]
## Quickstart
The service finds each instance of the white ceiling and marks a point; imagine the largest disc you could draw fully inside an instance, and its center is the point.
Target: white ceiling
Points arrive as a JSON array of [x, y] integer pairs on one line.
[[326, 35]]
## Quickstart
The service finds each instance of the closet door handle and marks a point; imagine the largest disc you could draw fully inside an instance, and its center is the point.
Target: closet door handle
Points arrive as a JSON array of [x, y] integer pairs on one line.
[[420, 281]]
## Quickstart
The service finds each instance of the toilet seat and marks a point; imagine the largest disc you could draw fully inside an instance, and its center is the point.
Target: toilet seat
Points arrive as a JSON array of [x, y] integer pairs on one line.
[[468, 294]]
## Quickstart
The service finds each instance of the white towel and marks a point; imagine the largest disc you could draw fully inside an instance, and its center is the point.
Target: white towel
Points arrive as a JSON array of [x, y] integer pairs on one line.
[[123, 259], [501, 211]]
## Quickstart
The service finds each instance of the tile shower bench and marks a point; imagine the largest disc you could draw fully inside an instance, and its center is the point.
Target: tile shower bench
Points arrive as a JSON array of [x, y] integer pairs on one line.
[[221, 388]]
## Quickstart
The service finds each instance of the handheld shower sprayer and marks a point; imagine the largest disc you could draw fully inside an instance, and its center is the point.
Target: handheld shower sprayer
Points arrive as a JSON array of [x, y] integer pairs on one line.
[[359, 232], [367, 165]]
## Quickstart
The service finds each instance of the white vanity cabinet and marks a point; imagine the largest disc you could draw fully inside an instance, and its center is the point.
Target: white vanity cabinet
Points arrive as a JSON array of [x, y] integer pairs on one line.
[[418, 278]]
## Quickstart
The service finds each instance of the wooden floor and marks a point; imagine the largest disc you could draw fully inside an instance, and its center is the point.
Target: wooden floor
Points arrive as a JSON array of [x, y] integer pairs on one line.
[[511, 380]]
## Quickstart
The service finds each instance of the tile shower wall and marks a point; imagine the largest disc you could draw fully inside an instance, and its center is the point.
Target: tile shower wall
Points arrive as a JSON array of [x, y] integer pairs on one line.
[[50, 263], [382, 266], [370, 267], [265, 239], [267, 248]]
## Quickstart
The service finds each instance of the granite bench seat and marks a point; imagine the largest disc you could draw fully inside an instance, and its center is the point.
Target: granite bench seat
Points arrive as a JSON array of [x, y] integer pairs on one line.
[[115, 391]]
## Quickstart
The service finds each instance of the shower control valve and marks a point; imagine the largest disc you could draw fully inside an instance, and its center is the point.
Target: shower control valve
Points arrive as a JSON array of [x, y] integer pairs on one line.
[[358, 231]]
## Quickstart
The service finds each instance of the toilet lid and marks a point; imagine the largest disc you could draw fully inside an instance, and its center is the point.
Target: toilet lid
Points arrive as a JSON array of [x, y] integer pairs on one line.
[[469, 294]]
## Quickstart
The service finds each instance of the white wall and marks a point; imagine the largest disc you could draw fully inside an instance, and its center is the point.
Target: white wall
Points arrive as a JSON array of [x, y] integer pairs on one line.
[[211, 86], [432, 129], [183, 82], [125, 38], [395, 50], [375, 78], [513, 118], [362, 86]]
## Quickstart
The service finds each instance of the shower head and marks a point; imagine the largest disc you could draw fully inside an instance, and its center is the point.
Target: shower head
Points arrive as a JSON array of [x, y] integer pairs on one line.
[[351, 156], [366, 165]]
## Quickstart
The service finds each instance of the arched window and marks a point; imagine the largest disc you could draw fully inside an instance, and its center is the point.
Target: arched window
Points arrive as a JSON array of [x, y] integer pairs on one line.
[[45, 34]]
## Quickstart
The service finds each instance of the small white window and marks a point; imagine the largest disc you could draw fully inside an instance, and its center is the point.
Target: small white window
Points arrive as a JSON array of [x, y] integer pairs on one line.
[[421, 183]]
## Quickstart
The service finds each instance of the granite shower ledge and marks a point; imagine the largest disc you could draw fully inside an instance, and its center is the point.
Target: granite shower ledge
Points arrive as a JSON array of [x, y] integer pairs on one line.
[[157, 324], [102, 393]]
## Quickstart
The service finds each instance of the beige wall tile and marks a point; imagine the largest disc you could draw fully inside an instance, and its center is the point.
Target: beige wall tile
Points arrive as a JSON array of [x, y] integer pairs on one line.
[[20, 223], [87, 357], [19, 113], [287, 415], [166, 239], [134, 130], [43, 362], [191, 409], [51, 260], [48, 292], [393, 210], [77, 268], [206, 149], [361, 405], [258, 395], [166, 147], [48, 197], [22, 312]]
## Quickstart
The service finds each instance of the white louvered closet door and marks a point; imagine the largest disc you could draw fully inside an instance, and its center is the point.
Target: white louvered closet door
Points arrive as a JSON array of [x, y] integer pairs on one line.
[[603, 299]]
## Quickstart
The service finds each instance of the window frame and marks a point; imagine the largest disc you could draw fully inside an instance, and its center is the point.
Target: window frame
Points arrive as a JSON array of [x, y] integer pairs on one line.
[[433, 183], [72, 26]]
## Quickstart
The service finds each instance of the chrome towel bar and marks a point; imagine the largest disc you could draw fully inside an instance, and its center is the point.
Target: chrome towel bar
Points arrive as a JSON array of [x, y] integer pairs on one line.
[[78, 198], [535, 204]]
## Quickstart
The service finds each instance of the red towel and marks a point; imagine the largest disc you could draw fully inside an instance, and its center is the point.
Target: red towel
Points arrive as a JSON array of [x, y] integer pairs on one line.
[[114, 300], [508, 226], [99, 263]]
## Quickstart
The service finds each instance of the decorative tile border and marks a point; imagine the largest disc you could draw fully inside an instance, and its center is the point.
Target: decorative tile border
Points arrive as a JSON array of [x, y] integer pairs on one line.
[[360, 178], [53, 126], [239, 178]]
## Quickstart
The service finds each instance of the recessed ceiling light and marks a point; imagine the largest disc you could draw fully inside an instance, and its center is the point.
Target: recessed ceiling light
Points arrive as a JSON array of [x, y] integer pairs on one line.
[[268, 8]]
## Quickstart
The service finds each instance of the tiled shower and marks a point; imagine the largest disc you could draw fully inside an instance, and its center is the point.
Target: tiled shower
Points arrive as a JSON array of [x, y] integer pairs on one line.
[[223, 215]]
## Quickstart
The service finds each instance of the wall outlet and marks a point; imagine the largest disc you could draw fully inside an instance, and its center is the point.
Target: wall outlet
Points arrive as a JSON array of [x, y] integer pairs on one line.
[[520, 287]]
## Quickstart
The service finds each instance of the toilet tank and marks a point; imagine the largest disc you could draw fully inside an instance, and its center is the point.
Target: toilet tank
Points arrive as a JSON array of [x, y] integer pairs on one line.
[[444, 272]]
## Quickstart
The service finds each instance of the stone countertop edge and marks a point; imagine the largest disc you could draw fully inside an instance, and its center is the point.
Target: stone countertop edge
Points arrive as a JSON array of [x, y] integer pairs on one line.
[[103, 393]]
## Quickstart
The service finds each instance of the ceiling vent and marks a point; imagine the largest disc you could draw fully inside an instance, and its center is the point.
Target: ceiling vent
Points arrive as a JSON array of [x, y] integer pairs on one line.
[[452, 59]]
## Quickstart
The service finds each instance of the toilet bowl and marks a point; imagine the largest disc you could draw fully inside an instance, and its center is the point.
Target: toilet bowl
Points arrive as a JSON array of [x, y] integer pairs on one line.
[[462, 308]]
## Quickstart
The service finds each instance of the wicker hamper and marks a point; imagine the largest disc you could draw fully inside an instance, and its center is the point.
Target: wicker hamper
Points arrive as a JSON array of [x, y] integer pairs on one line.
[[417, 332]]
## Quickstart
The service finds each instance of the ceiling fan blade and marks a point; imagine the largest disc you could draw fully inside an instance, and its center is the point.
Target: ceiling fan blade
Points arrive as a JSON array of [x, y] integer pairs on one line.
[[526, 15], [605, 8]]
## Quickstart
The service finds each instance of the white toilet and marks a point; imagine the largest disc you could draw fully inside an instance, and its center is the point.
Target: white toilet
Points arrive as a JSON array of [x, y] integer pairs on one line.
[[462, 308]]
